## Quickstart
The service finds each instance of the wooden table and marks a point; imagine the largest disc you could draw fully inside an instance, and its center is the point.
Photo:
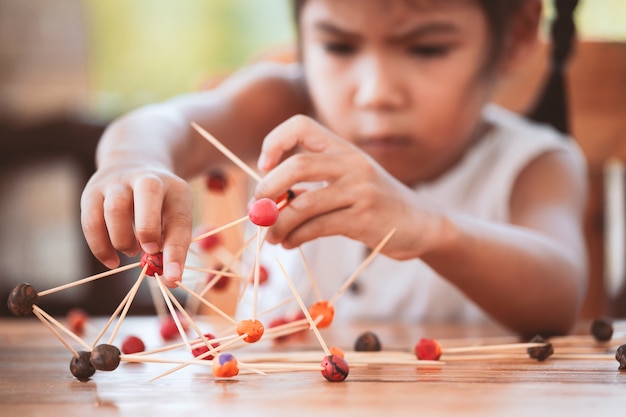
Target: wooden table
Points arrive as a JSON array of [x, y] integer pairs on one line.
[[35, 380]]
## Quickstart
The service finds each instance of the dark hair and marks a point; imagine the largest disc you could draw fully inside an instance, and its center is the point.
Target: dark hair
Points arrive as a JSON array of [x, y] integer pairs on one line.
[[498, 12]]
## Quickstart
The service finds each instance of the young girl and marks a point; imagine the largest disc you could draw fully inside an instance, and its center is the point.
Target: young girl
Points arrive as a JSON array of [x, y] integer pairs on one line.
[[388, 115]]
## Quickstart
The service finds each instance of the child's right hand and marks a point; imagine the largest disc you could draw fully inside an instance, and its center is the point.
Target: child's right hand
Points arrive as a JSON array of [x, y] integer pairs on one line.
[[130, 208]]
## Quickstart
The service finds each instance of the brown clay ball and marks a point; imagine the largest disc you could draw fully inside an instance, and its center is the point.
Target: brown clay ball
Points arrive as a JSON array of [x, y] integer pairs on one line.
[[541, 353], [105, 357], [620, 356], [81, 367], [602, 329], [367, 342], [21, 299]]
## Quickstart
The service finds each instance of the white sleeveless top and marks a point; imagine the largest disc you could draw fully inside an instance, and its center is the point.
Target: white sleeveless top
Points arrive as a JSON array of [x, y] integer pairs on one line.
[[410, 290]]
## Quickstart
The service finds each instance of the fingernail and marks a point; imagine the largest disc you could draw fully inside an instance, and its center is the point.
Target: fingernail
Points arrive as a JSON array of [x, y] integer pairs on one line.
[[111, 263], [150, 247], [262, 163], [172, 272]]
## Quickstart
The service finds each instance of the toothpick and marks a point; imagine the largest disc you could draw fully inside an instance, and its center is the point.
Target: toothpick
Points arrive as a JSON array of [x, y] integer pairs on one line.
[[59, 325], [304, 310], [214, 272], [88, 279], [292, 366], [227, 152], [366, 262], [170, 307], [492, 348], [199, 357], [188, 317], [174, 346], [57, 334], [221, 228], [207, 303], [309, 274], [257, 267], [157, 300], [113, 316], [131, 297]]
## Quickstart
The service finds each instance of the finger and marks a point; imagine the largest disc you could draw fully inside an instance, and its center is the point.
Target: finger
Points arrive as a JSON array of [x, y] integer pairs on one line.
[[306, 206], [329, 224], [304, 167], [177, 223], [95, 231], [148, 202], [296, 131], [118, 216]]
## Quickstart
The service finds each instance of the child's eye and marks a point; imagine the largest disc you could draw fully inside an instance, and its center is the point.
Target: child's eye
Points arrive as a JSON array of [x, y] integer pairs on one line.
[[339, 48], [429, 51]]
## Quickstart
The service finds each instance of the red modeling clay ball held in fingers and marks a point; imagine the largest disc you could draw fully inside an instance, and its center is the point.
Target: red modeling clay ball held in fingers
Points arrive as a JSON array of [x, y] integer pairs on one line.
[[154, 262], [263, 212]]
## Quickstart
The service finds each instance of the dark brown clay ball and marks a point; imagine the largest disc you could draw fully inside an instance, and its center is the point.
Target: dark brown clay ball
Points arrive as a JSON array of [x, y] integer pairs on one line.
[[620, 356], [81, 367], [602, 329], [105, 357], [541, 353], [367, 342], [21, 299]]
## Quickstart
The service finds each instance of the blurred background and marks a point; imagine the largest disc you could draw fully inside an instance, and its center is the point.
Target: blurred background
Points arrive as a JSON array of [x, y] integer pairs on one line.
[[69, 67]]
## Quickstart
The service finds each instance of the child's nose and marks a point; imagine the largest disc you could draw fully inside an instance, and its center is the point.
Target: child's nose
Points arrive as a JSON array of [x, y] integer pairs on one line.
[[377, 87]]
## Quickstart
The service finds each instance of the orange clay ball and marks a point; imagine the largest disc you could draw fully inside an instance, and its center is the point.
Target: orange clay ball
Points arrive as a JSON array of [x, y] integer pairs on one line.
[[253, 329], [322, 308], [225, 366], [337, 352]]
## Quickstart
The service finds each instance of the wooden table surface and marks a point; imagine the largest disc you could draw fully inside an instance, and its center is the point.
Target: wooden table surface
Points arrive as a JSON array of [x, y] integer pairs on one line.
[[35, 380]]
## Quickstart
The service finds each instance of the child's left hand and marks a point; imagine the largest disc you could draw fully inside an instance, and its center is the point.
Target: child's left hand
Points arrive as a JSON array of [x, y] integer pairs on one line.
[[360, 200]]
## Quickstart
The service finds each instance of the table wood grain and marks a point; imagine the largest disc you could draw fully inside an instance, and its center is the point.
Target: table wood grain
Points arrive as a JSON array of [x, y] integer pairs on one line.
[[36, 381]]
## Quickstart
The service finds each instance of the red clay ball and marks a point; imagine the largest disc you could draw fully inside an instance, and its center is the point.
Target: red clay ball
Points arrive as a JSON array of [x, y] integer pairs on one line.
[[169, 330], [428, 350], [208, 243], [217, 181], [263, 212], [133, 344], [336, 369], [263, 275], [154, 262], [203, 349], [76, 320]]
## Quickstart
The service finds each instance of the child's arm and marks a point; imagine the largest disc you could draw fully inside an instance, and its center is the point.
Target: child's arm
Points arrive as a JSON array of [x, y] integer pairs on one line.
[[530, 275], [138, 198]]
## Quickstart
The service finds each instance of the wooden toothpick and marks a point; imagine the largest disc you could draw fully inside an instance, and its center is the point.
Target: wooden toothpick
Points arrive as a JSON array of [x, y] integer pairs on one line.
[[309, 274], [304, 310], [366, 262], [234, 158], [39, 315], [89, 279]]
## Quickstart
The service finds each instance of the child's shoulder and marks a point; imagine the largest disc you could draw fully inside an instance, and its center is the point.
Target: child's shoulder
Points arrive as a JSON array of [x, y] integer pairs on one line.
[[514, 136], [514, 125]]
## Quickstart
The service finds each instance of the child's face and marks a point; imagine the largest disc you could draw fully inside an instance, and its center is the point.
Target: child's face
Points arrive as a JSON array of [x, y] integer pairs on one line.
[[401, 79]]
